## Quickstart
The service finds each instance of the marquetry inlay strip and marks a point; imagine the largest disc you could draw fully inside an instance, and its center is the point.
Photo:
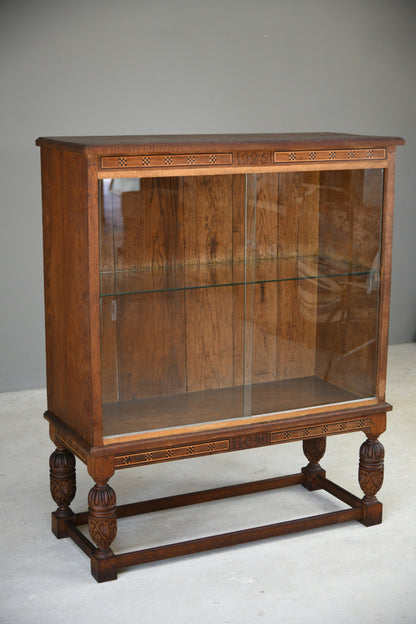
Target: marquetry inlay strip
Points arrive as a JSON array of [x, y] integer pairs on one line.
[[149, 161], [179, 452], [329, 155], [315, 431], [240, 442]]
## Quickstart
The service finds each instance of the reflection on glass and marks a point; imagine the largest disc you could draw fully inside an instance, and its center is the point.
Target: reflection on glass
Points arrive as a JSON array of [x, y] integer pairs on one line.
[[236, 295]]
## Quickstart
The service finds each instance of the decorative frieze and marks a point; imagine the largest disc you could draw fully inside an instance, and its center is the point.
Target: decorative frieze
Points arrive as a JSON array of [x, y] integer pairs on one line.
[[329, 155], [162, 161], [240, 442], [317, 431], [178, 452], [158, 161]]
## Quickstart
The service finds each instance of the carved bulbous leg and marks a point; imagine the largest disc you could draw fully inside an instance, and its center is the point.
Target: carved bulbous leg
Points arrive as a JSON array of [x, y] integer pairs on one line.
[[102, 524], [63, 487], [314, 450], [370, 476]]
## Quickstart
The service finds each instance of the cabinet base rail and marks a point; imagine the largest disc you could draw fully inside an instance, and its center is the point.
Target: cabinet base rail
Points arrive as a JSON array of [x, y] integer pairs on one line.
[[106, 569]]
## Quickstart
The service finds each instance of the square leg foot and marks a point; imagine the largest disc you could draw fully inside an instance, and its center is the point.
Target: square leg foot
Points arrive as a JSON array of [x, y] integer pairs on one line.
[[58, 524], [104, 569], [372, 514], [311, 478]]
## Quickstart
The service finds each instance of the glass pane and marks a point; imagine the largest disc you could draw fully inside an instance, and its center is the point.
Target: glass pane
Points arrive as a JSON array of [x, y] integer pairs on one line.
[[172, 301], [315, 326], [237, 295]]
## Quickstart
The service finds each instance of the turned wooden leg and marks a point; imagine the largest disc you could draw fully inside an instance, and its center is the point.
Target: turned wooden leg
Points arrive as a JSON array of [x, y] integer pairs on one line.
[[102, 524], [314, 450], [63, 486], [370, 476]]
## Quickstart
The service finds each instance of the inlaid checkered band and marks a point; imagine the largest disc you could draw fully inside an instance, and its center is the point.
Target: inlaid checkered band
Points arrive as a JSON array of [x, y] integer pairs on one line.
[[329, 155], [240, 442], [178, 452], [149, 161]]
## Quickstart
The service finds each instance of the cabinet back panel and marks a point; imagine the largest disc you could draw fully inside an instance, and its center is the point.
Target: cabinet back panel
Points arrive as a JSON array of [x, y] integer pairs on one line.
[[350, 215], [148, 230], [298, 211], [209, 338], [298, 226], [109, 373], [275, 327], [151, 345], [208, 219], [346, 352]]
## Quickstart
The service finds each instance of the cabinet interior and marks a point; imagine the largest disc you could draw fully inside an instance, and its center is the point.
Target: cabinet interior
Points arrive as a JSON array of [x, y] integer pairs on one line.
[[229, 296]]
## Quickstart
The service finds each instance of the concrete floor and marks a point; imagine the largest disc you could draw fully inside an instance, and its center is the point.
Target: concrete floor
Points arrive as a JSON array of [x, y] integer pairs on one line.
[[340, 574]]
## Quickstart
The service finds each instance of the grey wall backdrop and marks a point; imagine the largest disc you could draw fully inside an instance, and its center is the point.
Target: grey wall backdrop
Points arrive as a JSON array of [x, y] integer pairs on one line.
[[168, 66]]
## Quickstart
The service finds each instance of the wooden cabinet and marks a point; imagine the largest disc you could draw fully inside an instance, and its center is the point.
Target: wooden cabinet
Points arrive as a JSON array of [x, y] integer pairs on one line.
[[207, 294]]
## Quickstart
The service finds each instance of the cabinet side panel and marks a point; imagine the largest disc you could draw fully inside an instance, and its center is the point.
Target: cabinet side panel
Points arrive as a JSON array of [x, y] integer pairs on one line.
[[386, 260], [67, 290]]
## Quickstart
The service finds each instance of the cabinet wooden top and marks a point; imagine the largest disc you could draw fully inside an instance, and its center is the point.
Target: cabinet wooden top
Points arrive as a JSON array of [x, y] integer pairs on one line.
[[214, 142]]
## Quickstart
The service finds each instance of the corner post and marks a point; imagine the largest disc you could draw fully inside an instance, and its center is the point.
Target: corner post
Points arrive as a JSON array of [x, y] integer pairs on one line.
[[102, 519], [63, 487], [370, 476]]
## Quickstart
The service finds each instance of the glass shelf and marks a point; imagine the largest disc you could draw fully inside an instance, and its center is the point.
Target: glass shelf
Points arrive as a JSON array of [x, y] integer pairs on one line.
[[226, 274]]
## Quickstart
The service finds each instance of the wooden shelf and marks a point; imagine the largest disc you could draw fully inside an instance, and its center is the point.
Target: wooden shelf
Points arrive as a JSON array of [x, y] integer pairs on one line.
[[178, 410], [226, 274]]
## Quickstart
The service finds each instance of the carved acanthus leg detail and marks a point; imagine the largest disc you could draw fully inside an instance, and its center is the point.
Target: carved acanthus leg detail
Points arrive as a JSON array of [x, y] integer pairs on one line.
[[314, 450], [63, 486], [371, 469], [102, 524], [370, 476], [102, 518]]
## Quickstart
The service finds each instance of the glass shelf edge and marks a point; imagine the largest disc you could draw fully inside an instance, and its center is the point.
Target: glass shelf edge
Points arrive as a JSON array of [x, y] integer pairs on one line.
[[116, 293]]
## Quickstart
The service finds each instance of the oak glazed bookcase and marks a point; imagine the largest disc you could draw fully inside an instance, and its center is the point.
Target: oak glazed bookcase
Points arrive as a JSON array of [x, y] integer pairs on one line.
[[207, 294]]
